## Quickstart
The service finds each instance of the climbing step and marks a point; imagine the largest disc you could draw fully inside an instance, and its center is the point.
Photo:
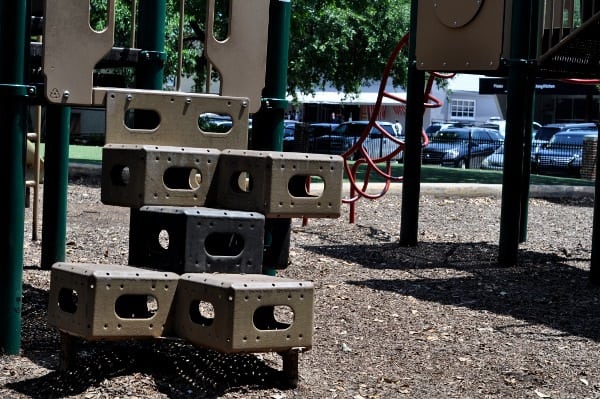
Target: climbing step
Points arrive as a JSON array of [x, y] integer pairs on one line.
[[244, 313], [95, 301], [138, 175], [278, 184], [193, 240]]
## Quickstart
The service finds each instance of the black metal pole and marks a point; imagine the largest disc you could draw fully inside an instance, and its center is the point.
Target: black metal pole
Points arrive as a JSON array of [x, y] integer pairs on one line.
[[595, 258], [411, 186], [519, 102]]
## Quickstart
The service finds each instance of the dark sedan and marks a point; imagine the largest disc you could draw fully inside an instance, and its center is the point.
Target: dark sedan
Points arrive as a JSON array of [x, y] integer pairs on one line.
[[464, 147], [562, 155]]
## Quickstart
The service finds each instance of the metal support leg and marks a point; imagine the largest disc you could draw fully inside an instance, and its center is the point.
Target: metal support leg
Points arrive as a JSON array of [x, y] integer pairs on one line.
[[290, 367]]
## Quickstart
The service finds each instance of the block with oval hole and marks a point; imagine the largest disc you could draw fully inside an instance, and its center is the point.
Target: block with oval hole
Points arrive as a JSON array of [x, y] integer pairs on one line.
[[176, 119], [280, 184], [96, 301], [138, 175], [244, 313], [194, 240]]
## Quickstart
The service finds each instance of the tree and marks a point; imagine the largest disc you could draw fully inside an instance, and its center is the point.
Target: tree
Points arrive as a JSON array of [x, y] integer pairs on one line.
[[344, 43]]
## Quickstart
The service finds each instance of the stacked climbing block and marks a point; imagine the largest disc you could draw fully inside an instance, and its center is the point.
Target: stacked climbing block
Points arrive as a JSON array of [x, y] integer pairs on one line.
[[277, 184], [199, 239], [110, 301], [138, 175], [236, 312]]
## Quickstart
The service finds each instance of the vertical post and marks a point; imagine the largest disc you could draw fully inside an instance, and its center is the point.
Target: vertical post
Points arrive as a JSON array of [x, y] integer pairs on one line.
[[534, 39], [151, 40], [519, 102], [412, 155], [595, 258], [12, 169], [524, 215], [56, 182], [267, 123]]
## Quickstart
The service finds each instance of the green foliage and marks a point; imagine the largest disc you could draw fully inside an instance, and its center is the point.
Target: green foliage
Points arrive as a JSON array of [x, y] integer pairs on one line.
[[345, 43]]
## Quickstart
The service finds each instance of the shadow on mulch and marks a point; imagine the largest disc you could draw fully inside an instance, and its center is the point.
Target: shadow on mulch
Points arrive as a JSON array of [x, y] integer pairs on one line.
[[542, 289], [178, 369]]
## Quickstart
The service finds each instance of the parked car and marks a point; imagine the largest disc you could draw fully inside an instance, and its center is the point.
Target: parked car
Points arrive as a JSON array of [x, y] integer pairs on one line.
[[495, 161], [319, 129], [461, 147], [347, 134], [215, 123], [546, 132], [562, 154], [500, 125], [437, 126], [289, 134]]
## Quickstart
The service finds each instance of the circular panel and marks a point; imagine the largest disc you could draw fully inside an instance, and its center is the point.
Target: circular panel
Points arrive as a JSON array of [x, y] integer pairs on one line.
[[456, 13]]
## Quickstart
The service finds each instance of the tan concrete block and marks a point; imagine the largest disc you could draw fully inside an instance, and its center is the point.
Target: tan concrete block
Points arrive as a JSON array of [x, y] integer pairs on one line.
[[110, 301], [274, 183], [138, 175], [244, 312]]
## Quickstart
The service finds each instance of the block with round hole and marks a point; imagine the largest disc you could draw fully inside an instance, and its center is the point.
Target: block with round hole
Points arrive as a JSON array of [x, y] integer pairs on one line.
[[138, 175], [96, 301], [244, 313], [195, 240], [280, 184]]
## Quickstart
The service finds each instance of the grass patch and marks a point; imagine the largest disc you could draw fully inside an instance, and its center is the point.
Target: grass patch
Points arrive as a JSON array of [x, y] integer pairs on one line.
[[81, 154], [429, 173], [441, 174]]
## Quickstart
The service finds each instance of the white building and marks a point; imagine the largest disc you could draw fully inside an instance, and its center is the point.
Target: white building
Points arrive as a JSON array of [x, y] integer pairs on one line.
[[460, 100]]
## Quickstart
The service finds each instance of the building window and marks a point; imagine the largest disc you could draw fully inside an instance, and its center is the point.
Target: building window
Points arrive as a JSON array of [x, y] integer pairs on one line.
[[462, 109]]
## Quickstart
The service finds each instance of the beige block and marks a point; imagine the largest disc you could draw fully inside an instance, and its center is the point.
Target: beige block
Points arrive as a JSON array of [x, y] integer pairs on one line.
[[274, 183], [244, 312], [138, 175], [175, 118], [110, 301]]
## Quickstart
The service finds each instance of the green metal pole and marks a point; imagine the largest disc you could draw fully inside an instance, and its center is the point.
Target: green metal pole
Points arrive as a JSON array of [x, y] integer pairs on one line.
[[56, 183], [12, 169], [267, 123], [151, 40], [520, 93], [409, 222]]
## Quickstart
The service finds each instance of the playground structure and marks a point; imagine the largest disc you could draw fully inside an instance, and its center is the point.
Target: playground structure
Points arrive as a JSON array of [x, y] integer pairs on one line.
[[76, 286], [210, 217]]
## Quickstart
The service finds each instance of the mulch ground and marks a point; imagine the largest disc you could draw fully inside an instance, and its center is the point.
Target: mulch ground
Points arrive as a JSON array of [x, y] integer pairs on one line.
[[438, 320]]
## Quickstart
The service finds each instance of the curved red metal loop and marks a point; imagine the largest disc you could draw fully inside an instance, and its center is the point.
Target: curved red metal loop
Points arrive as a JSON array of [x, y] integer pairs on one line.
[[358, 191]]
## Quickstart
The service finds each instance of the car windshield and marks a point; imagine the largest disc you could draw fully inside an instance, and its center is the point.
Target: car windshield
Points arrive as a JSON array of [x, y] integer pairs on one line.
[[567, 139], [546, 132], [451, 135]]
